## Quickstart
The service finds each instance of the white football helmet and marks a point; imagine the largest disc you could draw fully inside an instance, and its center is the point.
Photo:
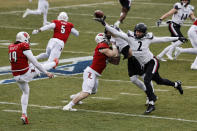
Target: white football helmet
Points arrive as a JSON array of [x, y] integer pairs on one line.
[[23, 37], [63, 16], [100, 38]]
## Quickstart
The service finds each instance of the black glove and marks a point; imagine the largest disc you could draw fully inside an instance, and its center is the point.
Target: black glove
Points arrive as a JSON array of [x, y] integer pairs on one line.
[[101, 20], [183, 39], [158, 23]]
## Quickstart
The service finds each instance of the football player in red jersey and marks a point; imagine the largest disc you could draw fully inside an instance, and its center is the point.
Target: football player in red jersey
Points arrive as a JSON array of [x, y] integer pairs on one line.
[[23, 72], [90, 76], [62, 29]]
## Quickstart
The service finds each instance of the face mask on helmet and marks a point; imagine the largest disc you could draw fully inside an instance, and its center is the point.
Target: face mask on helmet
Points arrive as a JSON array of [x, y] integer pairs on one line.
[[23, 37], [141, 27], [63, 16], [100, 38], [185, 2]]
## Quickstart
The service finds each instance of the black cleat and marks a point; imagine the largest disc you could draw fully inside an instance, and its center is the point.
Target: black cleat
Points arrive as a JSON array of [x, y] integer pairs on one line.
[[179, 87], [149, 109]]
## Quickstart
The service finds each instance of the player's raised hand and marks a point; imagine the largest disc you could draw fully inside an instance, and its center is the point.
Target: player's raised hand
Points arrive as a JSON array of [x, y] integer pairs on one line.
[[158, 23], [101, 20]]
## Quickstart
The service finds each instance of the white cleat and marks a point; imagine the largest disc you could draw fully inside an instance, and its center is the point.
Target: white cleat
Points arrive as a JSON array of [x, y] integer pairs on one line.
[[194, 67], [26, 13], [161, 59], [68, 108], [177, 52], [169, 56]]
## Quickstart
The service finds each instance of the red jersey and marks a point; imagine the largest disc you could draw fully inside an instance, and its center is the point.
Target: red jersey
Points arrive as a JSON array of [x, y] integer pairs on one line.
[[195, 22], [62, 30], [99, 59], [18, 61]]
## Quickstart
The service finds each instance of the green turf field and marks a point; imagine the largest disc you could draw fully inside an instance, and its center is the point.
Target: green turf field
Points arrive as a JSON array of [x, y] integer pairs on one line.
[[118, 104]]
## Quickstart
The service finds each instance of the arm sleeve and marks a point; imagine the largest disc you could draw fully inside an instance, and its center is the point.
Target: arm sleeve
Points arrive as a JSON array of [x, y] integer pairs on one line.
[[117, 33], [75, 32], [163, 39], [48, 27], [33, 60]]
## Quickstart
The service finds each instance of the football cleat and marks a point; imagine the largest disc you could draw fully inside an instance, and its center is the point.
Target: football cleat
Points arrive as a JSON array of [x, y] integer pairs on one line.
[[177, 52], [194, 67], [56, 60], [26, 13], [68, 108], [24, 119], [149, 109], [178, 87]]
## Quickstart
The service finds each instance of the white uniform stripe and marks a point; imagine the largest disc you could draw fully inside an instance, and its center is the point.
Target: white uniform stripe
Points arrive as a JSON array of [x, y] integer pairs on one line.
[[155, 66], [172, 28]]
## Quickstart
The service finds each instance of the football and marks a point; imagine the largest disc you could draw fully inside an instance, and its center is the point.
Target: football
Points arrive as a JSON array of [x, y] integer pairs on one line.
[[98, 14]]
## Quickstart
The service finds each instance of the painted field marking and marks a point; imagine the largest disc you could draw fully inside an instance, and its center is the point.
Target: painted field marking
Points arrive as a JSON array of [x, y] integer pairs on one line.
[[102, 98], [130, 94], [19, 111], [109, 113]]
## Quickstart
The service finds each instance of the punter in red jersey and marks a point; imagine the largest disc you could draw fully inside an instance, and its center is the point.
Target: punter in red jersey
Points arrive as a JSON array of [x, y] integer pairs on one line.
[[62, 29], [90, 76], [23, 72]]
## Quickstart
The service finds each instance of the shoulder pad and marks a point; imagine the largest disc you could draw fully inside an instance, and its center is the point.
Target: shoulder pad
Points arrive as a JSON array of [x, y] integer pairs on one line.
[[130, 33], [149, 35], [191, 7], [177, 5]]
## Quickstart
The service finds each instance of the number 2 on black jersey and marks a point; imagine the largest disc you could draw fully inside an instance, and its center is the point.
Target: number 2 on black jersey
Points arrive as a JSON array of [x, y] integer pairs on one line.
[[139, 48]]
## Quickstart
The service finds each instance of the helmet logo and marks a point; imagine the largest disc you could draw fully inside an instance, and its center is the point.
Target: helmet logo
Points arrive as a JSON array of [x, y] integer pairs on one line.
[[25, 34]]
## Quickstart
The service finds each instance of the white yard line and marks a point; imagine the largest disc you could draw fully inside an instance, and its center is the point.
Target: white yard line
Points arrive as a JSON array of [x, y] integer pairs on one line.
[[130, 94], [102, 98], [105, 112]]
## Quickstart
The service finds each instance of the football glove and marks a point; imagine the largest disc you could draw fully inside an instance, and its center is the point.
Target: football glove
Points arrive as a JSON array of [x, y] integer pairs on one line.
[[183, 39], [35, 32], [101, 20], [158, 23]]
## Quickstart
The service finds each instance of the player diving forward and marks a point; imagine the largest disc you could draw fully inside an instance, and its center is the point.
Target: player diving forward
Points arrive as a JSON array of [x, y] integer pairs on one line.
[[23, 72], [139, 42]]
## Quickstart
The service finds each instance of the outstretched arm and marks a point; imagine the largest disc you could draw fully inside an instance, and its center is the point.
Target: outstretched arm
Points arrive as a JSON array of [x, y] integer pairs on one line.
[[75, 32], [163, 39], [117, 33], [46, 27]]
